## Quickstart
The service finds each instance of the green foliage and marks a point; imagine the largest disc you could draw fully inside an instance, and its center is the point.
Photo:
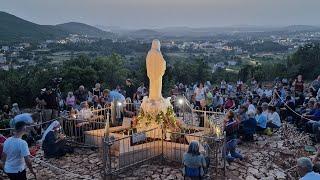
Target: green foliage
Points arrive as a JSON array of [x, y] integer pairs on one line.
[[305, 61], [167, 120], [23, 85], [191, 72], [84, 71], [14, 29], [222, 74]]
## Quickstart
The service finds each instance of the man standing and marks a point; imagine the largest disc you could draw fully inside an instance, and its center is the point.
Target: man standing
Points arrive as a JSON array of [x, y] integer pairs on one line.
[[130, 90], [16, 155], [50, 103]]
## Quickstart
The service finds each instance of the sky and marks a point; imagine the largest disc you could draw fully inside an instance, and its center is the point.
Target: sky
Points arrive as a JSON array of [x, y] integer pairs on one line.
[[140, 14]]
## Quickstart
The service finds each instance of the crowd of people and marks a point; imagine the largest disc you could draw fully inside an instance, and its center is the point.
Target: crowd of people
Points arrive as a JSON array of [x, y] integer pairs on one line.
[[261, 109], [252, 108]]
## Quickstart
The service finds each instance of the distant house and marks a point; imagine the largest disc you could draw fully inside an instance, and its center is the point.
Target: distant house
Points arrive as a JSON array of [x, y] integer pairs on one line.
[[43, 46], [14, 54], [5, 67], [18, 48], [232, 63], [227, 48], [5, 48], [3, 59], [49, 41], [17, 66], [219, 65], [168, 44], [23, 60], [25, 45]]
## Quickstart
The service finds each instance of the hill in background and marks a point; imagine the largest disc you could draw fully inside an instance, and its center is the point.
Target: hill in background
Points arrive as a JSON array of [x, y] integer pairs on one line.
[[15, 29], [84, 29]]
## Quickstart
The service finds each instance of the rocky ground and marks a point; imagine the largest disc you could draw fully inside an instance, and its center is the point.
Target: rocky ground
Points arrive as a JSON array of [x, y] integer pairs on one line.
[[270, 157]]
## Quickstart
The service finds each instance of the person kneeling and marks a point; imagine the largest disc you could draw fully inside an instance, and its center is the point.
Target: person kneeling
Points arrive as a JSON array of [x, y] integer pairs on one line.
[[53, 142], [231, 129], [195, 164]]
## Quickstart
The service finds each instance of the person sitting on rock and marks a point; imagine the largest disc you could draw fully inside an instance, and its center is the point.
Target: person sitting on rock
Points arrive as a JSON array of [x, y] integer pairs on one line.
[[261, 119], [273, 121], [249, 127], [304, 168], [54, 142], [194, 162], [231, 128]]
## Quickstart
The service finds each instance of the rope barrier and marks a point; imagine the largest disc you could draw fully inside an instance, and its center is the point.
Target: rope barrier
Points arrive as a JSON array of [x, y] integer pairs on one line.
[[291, 108], [34, 125], [52, 166]]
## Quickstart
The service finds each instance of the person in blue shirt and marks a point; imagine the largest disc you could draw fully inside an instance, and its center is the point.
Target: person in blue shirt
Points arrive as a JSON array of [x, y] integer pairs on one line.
[[248, 127], [305, 169], [119, 101], [261, 119], [315, 122], [114, 96], [316, 114]]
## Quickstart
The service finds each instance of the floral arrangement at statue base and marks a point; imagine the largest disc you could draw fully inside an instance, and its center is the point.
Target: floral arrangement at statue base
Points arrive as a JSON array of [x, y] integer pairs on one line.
[[153, 114]]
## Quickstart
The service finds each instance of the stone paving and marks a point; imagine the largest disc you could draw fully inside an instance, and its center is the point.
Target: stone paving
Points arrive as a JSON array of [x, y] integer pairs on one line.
[[268, 158]]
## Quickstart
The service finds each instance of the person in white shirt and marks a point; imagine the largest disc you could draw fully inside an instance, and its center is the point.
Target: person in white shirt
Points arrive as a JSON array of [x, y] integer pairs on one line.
[[268, 93], [141, 91], [199, 94], [273, 120], [223, 86], [217, 101], [251, 107], [259, 90], [304, 168], [239, 85], [16, 155], [85, 113], [229, 88]]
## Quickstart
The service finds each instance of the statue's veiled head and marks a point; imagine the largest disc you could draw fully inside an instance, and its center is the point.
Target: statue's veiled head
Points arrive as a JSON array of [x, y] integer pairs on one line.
[[155, 45]]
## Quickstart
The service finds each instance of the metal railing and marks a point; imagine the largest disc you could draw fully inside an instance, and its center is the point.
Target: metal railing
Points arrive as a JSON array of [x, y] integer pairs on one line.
[[87, 131], [123, 151]]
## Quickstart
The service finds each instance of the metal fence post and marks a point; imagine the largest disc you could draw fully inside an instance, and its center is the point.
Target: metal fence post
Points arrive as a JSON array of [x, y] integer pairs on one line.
[[224, 152], [162, 133], [205, 119], [104, 173], [107, 167], [113, 113]]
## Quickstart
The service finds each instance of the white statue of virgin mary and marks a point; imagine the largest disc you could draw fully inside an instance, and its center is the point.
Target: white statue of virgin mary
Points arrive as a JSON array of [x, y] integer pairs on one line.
[[156, 67]]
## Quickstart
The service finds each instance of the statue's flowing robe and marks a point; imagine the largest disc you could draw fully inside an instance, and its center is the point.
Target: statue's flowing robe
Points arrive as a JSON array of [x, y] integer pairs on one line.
[[156, 67]]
